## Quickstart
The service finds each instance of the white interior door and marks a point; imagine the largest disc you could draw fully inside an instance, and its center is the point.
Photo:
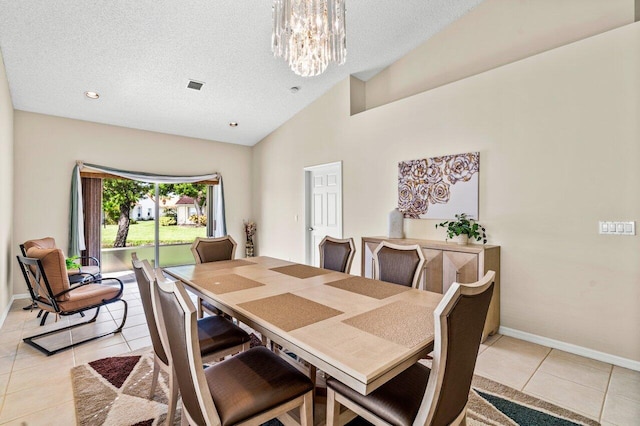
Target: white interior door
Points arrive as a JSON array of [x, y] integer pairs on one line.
[[323, 206]]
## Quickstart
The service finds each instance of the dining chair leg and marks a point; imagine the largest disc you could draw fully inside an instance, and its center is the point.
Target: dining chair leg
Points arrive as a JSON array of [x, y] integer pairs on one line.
[[184, 421], [173, 398], [200, 311], [306, 410], [313, 375], [333, 408], [154, 378]]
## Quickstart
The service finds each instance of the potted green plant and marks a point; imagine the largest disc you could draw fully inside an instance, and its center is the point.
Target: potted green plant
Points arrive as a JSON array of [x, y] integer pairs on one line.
[[71, 263], [464, 228]]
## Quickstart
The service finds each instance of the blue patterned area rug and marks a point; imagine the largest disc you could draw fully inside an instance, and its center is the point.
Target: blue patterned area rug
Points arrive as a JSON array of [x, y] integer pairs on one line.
[[115, 391]]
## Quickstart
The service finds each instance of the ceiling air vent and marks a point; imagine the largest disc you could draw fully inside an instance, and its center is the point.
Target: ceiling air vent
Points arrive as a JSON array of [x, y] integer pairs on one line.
[[195, 85]]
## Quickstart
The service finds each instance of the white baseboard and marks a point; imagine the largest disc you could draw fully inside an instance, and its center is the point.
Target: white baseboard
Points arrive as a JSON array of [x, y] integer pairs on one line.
[[8, 307], [571, 348]]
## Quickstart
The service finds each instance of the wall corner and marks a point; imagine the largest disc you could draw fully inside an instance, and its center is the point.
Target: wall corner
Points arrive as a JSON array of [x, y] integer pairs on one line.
[[357, 95]]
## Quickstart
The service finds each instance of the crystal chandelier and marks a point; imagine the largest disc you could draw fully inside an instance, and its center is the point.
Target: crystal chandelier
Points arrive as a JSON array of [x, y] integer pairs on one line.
[[309, 34]]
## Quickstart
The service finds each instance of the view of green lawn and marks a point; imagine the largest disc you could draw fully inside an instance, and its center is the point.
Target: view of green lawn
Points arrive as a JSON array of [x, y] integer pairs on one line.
[[142, 233]]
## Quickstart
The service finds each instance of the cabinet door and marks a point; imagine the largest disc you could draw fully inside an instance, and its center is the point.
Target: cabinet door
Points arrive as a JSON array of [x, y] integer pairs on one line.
[[459, 267], [432, 276]]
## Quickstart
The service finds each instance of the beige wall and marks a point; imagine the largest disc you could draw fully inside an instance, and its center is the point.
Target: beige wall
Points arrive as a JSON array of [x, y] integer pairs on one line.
[[558, 135], [6, 188], [47, 147], [495, 33]]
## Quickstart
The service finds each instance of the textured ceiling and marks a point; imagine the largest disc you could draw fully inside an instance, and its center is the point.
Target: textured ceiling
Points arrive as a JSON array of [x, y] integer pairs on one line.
[[139, 55]]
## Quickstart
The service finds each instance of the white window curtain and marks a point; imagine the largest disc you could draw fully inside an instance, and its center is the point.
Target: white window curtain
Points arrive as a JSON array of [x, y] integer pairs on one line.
[[76, 220]]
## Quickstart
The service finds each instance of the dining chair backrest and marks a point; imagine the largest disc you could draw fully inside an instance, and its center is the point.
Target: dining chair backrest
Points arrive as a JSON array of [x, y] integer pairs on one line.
[[398, 264], [213, 249], [145, 278], [458, 323], [337, 254], [179, 322]]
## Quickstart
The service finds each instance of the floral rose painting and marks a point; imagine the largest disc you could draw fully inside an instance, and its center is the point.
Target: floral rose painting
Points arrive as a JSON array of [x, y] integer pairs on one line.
[[439, 187]]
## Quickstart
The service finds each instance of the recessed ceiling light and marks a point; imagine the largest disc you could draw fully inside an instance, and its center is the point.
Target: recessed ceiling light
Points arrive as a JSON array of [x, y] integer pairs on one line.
[[91, 95], [294, 89], [233, 124]]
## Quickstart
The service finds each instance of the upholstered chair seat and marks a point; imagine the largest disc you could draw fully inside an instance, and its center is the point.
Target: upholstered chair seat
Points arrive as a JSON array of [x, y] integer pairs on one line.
[[240, 393], [398, 401], [217, 333], [90, 294]]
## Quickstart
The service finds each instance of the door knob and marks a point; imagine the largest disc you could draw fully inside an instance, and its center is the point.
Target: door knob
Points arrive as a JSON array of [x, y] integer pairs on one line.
[[310, 229]]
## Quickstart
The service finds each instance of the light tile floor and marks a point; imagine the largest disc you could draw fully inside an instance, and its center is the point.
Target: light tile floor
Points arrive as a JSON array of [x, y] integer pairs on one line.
[[36, 390]]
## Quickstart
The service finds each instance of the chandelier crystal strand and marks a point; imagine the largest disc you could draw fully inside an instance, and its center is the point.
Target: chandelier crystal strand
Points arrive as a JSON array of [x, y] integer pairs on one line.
[[309, 34]]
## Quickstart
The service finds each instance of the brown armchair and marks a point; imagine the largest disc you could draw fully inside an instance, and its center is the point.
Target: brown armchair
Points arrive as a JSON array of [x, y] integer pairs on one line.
[[419, 395], [84, 273], [45, 273]]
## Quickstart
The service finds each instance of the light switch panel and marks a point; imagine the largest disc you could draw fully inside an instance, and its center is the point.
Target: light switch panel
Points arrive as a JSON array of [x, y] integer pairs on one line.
[[617, 228]]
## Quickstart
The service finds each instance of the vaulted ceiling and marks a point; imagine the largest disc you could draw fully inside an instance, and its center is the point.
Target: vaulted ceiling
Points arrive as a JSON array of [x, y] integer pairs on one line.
[[140, 55]]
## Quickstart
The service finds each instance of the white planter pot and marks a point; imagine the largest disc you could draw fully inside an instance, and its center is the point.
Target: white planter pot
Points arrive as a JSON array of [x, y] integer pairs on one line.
[[462, 239]]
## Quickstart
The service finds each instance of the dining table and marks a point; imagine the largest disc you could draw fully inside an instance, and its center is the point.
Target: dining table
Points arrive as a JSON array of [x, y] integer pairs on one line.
[[361, 331]]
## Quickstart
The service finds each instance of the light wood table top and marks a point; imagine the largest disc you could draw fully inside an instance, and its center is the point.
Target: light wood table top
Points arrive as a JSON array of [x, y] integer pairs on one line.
[[329, 319]]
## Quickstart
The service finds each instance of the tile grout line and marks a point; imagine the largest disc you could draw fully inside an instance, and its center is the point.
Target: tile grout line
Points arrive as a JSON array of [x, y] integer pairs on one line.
[[606, 395], [583, 365], [536, 370]]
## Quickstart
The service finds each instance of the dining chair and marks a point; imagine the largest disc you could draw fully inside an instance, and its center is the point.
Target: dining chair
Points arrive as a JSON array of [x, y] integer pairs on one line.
[[337, 254], [212, 250], [248, 389], [217, 336], [45, 272], [398, 264], [428, 396]]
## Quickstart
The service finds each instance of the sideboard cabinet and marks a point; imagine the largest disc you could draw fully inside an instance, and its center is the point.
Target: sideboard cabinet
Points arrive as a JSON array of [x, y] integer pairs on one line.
[[445, 264]]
